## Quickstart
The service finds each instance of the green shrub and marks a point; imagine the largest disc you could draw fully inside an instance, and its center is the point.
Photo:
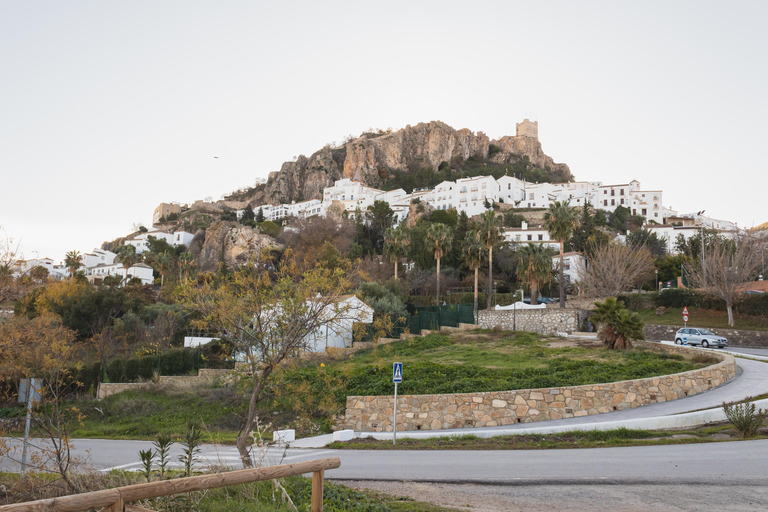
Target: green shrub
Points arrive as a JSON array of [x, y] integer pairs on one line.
[[744, 416]]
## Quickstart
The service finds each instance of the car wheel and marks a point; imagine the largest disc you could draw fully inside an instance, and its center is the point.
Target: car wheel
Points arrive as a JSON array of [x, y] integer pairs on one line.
[[678, 341], [705, 344]]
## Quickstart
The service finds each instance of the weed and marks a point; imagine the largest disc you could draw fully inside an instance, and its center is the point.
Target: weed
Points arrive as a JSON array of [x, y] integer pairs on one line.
[[744, 416]]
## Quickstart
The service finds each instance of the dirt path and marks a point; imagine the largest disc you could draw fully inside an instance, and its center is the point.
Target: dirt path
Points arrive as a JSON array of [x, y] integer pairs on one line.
[[574, 498]]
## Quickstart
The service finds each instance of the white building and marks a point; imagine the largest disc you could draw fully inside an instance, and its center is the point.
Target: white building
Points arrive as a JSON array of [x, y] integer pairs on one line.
[[524, 234], [98, 257], [351, 195], [175, 239], [340, 333], [573, 262], [23, 267], [646, 203], [141, 270]]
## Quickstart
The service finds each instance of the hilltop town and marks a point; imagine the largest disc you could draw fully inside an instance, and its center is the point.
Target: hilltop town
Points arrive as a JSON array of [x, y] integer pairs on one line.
[[511, 174]]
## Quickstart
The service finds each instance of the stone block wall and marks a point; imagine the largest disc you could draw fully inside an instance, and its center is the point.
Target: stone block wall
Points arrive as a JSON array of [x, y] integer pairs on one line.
[[436, 412], [543, 321], [736, 337]]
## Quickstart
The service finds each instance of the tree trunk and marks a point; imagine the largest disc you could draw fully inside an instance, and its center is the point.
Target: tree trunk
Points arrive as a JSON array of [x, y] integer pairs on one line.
[[437, 299], [729, 307], [562, 278], [395, 270], [534, 293], [490, 275], [476, 273]]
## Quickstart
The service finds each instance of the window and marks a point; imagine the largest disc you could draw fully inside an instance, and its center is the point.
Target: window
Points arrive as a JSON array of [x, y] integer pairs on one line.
[[530, 237], [644, 211], [655, 214], [541, 237], [613, 192], [613, 202], [531, 197], [605, 203], [622, 200], [509, 186], [621, 192], [605, 191]]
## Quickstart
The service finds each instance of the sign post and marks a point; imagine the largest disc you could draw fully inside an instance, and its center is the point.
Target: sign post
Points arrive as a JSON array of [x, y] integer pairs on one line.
[[29, 392], [685, 316], [397, 376]]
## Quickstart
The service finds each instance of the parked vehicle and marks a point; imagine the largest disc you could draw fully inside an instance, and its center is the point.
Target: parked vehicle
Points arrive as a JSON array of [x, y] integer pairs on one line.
[[542, 300], [699, 336]]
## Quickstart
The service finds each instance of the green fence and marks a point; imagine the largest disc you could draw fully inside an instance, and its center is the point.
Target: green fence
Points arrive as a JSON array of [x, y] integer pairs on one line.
[[426, 317]]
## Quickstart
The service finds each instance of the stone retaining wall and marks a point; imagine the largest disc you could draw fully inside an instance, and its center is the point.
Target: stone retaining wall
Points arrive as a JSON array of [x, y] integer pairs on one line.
[[543, 321], [736, 337], [436, 412]]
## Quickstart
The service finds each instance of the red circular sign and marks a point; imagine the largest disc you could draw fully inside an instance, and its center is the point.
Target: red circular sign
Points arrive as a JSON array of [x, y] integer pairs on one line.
[[685, 318]]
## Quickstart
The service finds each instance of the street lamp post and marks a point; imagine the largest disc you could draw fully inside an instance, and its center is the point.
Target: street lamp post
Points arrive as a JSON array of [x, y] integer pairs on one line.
[[657, 279]]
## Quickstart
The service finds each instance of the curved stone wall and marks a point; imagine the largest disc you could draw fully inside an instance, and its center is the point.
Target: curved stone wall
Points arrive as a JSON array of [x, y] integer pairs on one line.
[[490, 409]]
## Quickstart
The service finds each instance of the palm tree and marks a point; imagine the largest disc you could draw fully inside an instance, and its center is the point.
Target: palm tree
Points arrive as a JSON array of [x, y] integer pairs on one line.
[[439, 240], [186, 263], [128, 258], [619, 326], [396, 241], [473, 251], [560, 220], [490, 235], [534, 267], [73, 260], [164, 263]]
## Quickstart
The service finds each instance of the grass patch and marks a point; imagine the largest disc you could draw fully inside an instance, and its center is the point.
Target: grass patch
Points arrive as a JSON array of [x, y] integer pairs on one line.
[[565, 440], [711, 319]]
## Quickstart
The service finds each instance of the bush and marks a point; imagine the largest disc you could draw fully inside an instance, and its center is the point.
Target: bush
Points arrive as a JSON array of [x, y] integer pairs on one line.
[[744, 417], [636, 301]]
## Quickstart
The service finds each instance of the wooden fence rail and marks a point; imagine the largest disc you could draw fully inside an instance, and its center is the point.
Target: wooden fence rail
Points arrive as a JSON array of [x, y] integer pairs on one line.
[[115, 500]]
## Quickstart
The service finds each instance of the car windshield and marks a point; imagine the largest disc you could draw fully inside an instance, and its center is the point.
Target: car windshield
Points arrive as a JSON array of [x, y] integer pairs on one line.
[[705, 331]]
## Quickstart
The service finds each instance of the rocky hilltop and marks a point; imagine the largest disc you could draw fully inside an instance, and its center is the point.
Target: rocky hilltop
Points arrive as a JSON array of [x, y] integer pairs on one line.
[[374, 157]]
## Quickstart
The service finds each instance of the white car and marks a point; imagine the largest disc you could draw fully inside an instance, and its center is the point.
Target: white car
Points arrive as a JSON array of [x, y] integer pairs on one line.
[[699, 336]]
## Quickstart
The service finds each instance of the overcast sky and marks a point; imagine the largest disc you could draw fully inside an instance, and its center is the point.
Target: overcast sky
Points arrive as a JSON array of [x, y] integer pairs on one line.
[[109, 108]]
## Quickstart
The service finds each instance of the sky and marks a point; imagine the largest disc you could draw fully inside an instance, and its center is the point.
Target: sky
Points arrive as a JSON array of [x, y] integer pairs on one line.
[[109, 108]]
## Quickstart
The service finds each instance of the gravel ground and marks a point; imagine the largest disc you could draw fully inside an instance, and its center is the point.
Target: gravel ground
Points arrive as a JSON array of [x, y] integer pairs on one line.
[[587, 498]]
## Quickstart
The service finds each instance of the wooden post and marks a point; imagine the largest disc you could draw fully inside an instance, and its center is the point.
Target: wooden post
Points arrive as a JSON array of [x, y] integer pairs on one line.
[[318, 479]]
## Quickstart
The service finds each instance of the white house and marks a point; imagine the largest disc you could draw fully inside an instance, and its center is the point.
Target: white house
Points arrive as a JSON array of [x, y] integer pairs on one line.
[[646, 203], [524, 234], [339, 333], [141, 270], [351, 195], [175, 239], [573, 262], [98, 257], [22, 267]]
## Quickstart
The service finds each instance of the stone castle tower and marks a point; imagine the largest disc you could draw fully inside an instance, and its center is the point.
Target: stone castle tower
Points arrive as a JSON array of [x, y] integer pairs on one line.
[[528, 129]]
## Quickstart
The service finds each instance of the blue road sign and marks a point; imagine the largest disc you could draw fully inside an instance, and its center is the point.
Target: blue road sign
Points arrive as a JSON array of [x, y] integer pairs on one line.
[[397, 372]]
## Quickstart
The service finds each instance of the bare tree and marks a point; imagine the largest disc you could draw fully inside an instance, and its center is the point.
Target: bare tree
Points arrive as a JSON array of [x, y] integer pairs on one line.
[[614, 268], [10, 288], [726, 268]]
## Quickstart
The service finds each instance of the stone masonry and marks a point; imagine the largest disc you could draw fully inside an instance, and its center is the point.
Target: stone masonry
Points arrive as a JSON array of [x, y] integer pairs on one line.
[[549, 321], [490, 409]]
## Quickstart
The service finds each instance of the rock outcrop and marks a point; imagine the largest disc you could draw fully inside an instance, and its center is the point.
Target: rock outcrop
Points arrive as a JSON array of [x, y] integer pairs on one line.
[[371, 157], [231, 243]]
